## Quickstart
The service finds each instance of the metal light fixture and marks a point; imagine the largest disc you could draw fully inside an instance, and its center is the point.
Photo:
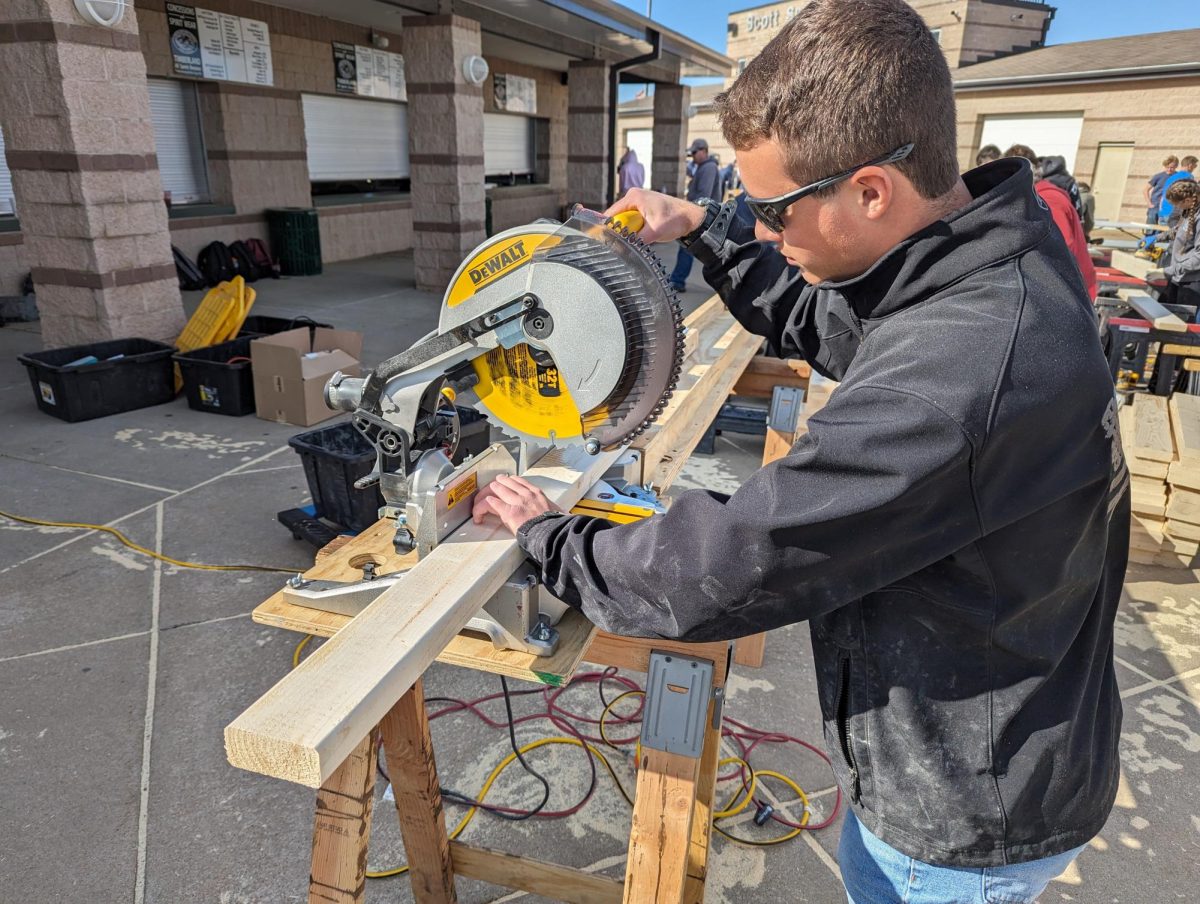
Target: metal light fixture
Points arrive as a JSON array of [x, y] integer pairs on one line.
[[106, 13], [475, 69], [379, 41]]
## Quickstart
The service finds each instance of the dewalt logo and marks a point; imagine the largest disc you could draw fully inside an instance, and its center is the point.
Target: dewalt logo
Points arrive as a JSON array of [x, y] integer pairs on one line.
[[507, 258]]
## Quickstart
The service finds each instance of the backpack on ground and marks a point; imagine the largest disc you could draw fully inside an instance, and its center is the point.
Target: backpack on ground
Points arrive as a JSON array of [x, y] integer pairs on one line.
[[267, 265], [217, 263], [244, 258], [190, 276]]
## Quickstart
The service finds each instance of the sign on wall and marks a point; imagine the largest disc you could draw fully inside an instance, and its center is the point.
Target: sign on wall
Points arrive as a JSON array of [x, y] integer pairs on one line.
[[515, 93], [208, 44], [368, 72]]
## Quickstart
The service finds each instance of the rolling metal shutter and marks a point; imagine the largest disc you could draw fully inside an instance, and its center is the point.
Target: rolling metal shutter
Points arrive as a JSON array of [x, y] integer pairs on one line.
[[1048, 134], [8, 204], [178, 141], [507, 144], [352, 140]]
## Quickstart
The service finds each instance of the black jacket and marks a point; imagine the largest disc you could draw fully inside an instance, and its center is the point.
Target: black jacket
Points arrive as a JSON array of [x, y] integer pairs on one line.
[[955, 526], [1054, 171]]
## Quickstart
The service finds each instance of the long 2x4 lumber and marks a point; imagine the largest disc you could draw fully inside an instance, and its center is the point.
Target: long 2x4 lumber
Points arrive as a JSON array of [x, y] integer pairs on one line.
[[310, 721], [1152, 429]]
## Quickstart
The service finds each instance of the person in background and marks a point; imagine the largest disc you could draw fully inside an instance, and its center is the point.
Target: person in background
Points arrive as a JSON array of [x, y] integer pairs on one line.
[[705, 185], [1089, 209], [1166, 210], [987, 154], [630, 173], [1153, 190], [1065, 217], [1183, 271], [1054, 171]]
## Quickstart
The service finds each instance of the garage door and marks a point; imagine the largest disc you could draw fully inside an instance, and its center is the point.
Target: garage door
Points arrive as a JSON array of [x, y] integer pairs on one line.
[[177, 140], [641, 141], [354, 140], [507, 144], [1050, 134], [7, 204]]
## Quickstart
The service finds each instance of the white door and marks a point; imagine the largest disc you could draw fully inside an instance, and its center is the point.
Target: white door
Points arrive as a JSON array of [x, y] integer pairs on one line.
[[177, 140], [1048, 134], [1111, 179], [641, 142], [507, 144], [8, 204], [353, 140]]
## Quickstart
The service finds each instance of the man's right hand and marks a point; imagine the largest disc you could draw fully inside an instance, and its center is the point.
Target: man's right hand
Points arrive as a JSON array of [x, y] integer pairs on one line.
[[666, 218]]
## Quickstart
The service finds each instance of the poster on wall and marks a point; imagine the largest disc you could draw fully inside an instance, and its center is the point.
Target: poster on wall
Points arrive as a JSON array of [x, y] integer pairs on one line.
[[208, 44], [368, 72], [515, 93]]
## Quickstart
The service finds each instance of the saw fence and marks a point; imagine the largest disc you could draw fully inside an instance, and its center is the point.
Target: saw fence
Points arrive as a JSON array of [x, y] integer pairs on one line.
[[322, 723]]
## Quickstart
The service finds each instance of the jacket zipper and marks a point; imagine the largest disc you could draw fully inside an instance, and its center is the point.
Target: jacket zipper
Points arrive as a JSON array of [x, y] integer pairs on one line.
[[843, 724]]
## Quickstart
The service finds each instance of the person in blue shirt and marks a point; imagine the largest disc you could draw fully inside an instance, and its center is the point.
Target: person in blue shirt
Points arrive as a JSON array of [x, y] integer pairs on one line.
[[1187, 166], [705, 184], [1154, 188]]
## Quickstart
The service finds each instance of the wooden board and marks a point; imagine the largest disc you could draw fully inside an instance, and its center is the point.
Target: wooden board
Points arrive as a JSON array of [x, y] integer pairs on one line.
[[1152, 429], [1183, 475], [1151, 310], [1162, 559], [763, 374], [1144, 467], [1185, 426], [559, 883], [633, 653], [724, 351], [1184, 505], [661, 832], [1182, 530], [309, 722], [1179, 350], [1128, 263], [342, 827]]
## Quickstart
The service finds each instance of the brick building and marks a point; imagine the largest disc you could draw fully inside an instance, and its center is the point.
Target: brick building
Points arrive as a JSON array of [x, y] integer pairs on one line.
[[385, 119], [1113, 108]]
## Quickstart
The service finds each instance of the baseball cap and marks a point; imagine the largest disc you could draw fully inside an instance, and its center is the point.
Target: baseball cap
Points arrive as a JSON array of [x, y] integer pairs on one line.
[[698, 145]]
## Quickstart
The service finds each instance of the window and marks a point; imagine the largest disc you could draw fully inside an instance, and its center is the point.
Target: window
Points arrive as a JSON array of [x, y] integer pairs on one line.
[[937, 35], [355, 146], [178, 141], [742, 65], [508, 147], [8, 203]]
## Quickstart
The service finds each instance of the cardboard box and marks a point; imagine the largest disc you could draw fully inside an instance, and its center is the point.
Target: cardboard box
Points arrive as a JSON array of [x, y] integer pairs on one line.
[[290, 373]]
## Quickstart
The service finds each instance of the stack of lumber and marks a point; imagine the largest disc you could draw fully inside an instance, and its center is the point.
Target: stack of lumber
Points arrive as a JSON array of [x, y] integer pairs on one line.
[[1183, 474], [1150, 451]]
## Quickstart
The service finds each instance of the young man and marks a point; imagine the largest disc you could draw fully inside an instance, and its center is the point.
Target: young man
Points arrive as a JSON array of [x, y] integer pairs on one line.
[[1187, 168], [1153, 190], [955, 522], [705, 184]]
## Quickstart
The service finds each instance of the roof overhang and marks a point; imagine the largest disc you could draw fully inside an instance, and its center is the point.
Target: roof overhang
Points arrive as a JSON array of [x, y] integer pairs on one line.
[[555, 31], [1129, 73]]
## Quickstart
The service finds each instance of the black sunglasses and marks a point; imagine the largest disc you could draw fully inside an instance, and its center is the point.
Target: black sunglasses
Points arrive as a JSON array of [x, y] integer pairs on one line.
[[770, 211]]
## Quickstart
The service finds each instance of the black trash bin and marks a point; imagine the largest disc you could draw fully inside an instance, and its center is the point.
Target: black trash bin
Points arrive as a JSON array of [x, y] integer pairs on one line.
[[82, 382], [218, 378]]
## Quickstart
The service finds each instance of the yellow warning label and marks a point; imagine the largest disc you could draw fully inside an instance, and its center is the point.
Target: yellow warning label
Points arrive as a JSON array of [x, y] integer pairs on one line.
[[525, 394], [462, 490]]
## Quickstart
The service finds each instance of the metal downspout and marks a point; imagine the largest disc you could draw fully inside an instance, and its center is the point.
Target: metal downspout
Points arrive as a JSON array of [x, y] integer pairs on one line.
[[614, 82]]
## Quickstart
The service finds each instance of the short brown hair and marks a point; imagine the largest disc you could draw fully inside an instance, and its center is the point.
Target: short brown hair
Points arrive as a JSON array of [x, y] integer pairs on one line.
[[844, 82], [1171, 161], [1188, 163], [1022, 150]]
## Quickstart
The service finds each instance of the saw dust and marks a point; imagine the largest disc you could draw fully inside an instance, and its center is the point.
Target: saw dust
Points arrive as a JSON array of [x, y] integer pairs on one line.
[[216, 446]]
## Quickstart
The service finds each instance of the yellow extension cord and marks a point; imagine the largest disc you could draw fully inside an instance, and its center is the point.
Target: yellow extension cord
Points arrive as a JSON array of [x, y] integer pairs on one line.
[[182, 563], [732, 808]]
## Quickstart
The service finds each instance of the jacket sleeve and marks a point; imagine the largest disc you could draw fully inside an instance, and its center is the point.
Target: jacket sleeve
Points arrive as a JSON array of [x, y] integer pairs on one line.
[[708, 181], [879, 488], [1185, 255]]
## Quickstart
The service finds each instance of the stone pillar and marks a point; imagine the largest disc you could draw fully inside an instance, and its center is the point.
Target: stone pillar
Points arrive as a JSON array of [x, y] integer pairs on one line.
[[80, 145], [668, 172], [445, 145], [588, 156]]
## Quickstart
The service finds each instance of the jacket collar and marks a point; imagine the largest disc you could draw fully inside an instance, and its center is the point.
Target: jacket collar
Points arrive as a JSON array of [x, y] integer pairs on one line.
[[1004, 219]]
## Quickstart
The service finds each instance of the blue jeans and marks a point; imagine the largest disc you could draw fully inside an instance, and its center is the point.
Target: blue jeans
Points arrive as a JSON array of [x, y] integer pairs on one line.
[[876, 873], [683, 266]]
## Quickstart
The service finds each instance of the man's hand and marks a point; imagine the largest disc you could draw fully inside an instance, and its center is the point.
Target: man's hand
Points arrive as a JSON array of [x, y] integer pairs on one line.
[[666, 218], [513, 500]]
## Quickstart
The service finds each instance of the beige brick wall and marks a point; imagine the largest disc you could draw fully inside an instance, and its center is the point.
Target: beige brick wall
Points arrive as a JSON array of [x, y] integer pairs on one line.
[[1147, 113], [991, 28], [518, 205], [359, 230]]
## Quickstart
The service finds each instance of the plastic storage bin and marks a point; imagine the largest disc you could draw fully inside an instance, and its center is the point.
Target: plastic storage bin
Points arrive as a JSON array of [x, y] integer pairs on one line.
[[295, 239], [212, 383], [264, 325], [128, 374], [336, 456]]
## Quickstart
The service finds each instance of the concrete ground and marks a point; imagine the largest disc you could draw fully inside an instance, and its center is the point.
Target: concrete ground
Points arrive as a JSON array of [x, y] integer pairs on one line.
[[118, 673]]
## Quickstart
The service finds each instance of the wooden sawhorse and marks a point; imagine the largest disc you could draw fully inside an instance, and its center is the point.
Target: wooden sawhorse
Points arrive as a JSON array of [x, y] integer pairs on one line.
[[672, 816]]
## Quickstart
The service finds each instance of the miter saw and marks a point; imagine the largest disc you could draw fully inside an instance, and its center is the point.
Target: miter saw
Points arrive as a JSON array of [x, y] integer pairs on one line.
[[561, 334]]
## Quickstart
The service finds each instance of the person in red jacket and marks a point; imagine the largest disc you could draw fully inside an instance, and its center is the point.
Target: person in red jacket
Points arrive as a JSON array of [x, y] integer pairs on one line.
[[1066, 217]]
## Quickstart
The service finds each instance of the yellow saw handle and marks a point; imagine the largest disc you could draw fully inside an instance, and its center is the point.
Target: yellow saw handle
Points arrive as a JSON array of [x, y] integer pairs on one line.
[[630, 220]]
